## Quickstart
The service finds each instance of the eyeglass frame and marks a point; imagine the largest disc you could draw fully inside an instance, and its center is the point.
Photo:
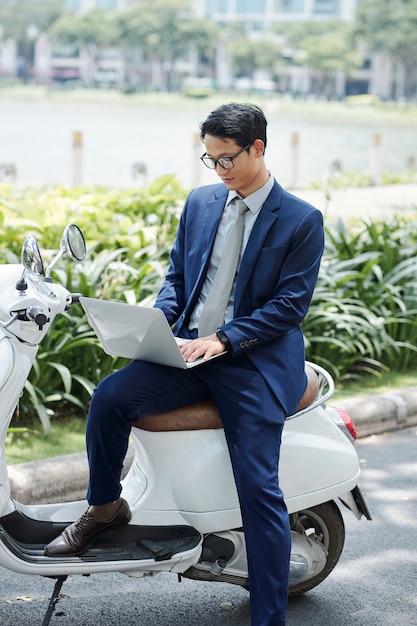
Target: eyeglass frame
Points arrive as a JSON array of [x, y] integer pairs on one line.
[[205, 158]]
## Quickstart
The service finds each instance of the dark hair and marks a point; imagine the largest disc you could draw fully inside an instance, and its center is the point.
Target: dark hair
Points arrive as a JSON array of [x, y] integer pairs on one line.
[[242, 122]]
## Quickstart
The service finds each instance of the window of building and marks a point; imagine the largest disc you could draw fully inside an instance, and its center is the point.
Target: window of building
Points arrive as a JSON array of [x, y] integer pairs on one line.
[[326, 7], [289, 6], [77, 5], [256, 26], [73, 5], [66, 51], [250, 6], [107, 5], [216, 6]]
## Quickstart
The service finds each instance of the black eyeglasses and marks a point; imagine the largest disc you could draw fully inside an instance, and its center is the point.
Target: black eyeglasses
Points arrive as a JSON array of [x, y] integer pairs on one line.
[[225, 162]]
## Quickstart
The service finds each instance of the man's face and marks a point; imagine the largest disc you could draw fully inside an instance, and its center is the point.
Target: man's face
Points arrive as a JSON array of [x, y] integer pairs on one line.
[[248, 172]]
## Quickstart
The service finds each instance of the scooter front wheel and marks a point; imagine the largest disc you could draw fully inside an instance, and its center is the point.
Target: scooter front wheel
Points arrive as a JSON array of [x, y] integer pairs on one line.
[[321, 524]]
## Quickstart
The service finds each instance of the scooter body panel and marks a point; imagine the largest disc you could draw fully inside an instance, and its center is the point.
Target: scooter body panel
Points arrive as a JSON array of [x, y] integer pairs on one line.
[[14, 367], [192, 473], [318, 462]]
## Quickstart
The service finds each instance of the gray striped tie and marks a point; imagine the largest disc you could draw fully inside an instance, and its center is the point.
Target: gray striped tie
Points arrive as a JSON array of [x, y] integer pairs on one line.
[[214, 309]]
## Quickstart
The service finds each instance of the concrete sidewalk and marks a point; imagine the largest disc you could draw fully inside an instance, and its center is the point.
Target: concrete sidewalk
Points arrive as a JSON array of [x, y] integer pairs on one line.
[[62, 479], [373, 202]]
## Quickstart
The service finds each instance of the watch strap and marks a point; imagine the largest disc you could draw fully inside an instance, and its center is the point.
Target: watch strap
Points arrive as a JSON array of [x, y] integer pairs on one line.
[[223, 338]]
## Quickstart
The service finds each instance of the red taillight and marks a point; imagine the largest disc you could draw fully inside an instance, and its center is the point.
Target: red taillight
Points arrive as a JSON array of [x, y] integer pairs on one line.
[[347, 420]]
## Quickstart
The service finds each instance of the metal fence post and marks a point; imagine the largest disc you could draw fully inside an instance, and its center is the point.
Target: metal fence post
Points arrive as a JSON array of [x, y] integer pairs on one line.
[[376, 160], [77, 160], [294, 160]]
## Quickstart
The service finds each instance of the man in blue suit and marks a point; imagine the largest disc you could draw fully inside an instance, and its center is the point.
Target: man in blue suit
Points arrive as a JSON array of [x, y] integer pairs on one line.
[[259, 380]]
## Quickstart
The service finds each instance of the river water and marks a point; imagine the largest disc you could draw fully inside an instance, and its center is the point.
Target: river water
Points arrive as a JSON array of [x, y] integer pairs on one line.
[[36, 136]]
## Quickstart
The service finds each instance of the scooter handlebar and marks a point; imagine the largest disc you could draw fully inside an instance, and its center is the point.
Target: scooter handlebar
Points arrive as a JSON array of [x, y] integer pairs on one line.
[[36, 314], [75, 298]]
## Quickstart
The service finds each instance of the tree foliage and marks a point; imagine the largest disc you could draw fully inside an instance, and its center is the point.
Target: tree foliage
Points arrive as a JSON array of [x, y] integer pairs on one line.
[[23, 21], [390, 27], [17, 17], [326, 47], [95, 27], [250, 54], [165, 30]]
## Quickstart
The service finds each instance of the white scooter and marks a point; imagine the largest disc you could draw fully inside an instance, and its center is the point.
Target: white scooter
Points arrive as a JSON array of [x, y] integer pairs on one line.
[[180, 487]]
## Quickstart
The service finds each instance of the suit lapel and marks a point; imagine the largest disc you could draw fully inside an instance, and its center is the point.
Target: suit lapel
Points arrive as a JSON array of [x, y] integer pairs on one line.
[[210, 217], [209, 224]]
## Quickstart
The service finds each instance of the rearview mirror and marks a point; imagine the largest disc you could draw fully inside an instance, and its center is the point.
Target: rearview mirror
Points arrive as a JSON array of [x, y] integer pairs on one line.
[[31, 256], [72, 244]]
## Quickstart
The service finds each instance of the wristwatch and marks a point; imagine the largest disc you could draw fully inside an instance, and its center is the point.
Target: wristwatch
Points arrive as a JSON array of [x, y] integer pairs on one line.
[[223, 338]]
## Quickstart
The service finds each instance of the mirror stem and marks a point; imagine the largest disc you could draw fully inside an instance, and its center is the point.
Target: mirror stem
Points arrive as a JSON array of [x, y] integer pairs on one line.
[[54, 262], [21, 284]]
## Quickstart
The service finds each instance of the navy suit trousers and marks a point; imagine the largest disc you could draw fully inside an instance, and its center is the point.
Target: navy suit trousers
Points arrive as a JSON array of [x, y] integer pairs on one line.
[[253, 420]]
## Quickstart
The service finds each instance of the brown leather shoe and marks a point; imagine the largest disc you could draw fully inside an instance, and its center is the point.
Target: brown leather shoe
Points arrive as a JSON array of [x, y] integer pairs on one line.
[[79, 536]]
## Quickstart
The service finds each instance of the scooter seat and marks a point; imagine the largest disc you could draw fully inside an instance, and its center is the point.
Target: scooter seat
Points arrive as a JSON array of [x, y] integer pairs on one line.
[[204, 415]]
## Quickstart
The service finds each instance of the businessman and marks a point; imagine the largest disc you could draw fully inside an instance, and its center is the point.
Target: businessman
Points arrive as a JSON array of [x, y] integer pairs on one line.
[[242, 273]]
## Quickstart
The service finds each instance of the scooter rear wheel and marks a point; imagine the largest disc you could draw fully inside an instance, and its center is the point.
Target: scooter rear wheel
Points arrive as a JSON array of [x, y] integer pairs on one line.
[[325, 523]]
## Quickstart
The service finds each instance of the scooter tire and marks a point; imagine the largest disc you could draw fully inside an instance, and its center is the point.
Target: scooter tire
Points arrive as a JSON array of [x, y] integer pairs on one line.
[[326, 521]]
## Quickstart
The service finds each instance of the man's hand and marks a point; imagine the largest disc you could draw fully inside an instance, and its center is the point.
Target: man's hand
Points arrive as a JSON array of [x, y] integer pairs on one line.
[[205, 347]]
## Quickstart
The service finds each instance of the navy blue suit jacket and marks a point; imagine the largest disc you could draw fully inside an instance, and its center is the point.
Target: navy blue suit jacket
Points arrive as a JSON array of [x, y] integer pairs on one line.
[[274, 285]]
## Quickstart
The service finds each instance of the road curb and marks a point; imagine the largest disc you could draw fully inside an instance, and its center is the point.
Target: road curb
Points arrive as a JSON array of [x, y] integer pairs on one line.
[[59, 479], [376, 414], [64, 478]]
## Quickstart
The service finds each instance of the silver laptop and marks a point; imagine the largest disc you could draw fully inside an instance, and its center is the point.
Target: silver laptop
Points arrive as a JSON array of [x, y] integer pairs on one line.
[[136, 332]]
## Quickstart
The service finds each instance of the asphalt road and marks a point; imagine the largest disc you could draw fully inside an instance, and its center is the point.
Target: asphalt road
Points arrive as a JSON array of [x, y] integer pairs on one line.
[[374, 584]]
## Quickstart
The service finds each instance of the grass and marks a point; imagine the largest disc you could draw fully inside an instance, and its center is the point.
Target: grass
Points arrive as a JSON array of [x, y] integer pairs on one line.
[[392, 112], [68, 436], [30, 443], [376, 385]]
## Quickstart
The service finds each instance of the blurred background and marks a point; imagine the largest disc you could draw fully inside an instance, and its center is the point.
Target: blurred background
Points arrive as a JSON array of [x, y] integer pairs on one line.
[[125, 84], [100, 106]]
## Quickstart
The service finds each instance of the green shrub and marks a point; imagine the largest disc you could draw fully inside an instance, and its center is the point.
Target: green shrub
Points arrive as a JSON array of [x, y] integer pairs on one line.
[[363, 317], [362, 320], [129, 235]]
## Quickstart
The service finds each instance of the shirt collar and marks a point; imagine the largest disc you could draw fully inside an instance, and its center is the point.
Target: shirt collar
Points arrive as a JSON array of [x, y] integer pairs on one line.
[[256, 199]]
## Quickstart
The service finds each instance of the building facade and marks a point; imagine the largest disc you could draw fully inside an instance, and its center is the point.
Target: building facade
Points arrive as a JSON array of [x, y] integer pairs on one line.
[[84, 6], [379, 75], [260, 14]]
